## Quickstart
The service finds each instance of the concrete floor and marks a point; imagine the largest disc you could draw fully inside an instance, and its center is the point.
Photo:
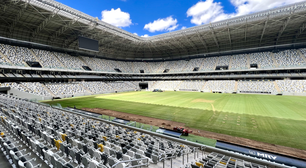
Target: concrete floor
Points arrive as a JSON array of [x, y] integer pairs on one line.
[[4, 163]]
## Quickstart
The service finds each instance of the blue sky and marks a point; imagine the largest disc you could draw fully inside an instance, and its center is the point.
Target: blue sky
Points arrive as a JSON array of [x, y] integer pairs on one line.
[[153, 17]]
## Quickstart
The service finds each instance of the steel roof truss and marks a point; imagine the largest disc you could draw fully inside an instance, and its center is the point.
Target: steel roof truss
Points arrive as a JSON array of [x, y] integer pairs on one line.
[[214, 36], [202, 40], [43, 24], [17, 18], [283, 28], [263, 30]]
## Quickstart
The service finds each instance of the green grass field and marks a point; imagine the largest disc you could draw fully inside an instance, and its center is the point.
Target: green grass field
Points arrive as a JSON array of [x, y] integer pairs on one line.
[[273, 119]]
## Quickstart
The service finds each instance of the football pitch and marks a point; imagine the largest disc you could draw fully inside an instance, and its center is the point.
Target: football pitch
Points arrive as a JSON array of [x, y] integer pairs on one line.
[[273, 119]]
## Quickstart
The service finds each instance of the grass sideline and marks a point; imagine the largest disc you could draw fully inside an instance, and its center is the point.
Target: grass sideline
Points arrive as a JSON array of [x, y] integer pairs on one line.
[[273, 119]]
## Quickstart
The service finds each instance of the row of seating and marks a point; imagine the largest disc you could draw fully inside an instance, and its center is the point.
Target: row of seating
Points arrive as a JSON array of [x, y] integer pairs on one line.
[[216, 160], [17, 56], [193, 76], [63, 140], [49, 89]]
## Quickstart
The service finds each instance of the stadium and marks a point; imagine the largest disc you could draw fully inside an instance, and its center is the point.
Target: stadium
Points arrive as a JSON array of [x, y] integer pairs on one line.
[[79, 92]]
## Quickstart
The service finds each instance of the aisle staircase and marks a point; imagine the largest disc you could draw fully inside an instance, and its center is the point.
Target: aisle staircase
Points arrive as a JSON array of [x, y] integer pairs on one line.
[[58, 60], [183, 69], [46, 88], [25, 64], [149, 67], [274, 60], [236, 86], [248, 61], [36, 58], [302, 56], [26, 88], [217, 61], [204, 85], [158, 70], [5, 57], [86, 88], [230, 62], [276, 87], [85, 63], [60, 86], [177, 87]]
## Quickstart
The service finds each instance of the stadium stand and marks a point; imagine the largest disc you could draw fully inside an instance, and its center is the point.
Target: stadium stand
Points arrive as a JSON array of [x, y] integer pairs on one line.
[[263, 59], [48, 59], [224, 61], [239, 62], [36, 88], [70, 62], [166, 85], [19, 55], [142, 66], [209, 64], [97, 87], [65, 88], [228, 86], [266, 87], [191, 85], [156, 67], [191, 64], [289, 58], [220, 86], [292, 86]]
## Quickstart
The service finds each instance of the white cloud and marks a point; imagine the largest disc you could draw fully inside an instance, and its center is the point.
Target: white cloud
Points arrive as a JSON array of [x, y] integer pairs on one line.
[[205, 12], [164, 24], [146, 35], [210, 11], [250, 6], [184, 27], [135, 34], [116, 17]]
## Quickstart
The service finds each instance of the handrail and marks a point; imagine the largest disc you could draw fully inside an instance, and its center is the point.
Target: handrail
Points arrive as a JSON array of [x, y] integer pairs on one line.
[[131, 161]]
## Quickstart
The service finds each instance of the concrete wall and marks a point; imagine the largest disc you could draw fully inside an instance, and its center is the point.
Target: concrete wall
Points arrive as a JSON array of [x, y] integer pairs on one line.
[[294, 94], [26, 95]]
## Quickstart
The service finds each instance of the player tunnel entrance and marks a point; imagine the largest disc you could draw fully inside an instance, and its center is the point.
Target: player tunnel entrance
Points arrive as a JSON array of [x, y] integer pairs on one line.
[[143, 85]]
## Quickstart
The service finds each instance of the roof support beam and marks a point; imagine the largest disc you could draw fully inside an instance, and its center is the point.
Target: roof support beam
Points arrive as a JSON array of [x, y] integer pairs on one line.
[[180, 44], [61, 30], [190, 43], [43, 24], [161, 51], [17, 18], [153, 45], [214, 36], [302, 28], [138, 47], [283, 28], [167, 44], [202, 40], [229, 36], [245, 30], [263, 30], [3, 7]]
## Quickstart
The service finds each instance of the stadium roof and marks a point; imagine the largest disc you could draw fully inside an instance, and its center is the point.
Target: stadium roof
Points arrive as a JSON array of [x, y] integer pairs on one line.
[[52, 23]]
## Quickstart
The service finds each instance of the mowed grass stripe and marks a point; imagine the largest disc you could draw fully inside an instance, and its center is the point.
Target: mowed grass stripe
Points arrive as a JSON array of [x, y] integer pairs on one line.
[[292, 107], [276, 130]]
